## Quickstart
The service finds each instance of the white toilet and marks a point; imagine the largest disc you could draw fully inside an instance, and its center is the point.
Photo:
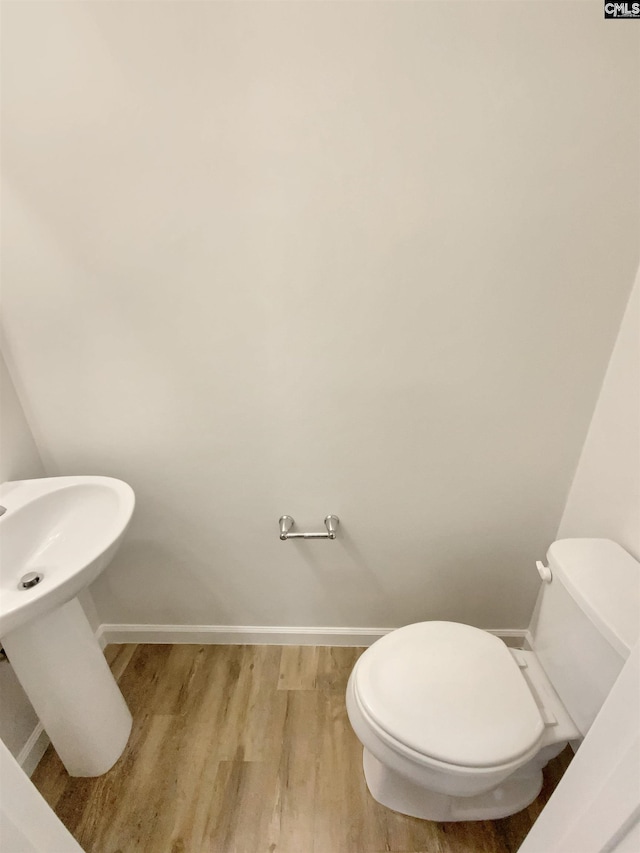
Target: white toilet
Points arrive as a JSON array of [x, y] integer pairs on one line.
[[456, 726]]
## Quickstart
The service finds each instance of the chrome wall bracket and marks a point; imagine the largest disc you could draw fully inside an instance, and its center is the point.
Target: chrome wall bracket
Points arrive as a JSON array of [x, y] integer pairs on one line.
[[286, 523]]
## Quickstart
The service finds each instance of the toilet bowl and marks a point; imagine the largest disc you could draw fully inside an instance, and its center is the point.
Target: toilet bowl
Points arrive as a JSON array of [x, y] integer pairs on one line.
[[455, 726]]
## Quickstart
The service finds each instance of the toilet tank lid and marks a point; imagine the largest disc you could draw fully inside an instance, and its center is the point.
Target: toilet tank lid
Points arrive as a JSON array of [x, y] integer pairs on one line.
[[604, 580]]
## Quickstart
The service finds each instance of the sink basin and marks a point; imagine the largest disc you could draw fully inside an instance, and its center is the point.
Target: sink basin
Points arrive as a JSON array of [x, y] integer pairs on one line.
[[66, 529], [63, 531]]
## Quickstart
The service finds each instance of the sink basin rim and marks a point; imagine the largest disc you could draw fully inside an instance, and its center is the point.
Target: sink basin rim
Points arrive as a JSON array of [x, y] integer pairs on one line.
[[17, 610]]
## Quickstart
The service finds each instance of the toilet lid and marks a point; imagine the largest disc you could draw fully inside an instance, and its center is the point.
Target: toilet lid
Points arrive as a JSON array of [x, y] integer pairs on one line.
[[450, 692]]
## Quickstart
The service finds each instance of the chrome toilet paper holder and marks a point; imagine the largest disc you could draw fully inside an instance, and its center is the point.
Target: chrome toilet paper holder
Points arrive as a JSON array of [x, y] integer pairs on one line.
[[331, 522]]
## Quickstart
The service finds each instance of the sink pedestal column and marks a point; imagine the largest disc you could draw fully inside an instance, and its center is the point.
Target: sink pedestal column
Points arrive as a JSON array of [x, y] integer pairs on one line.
[[64, 673]]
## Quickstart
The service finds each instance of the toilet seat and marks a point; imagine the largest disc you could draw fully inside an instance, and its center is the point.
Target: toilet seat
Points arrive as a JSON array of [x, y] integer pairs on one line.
[[450, 694]]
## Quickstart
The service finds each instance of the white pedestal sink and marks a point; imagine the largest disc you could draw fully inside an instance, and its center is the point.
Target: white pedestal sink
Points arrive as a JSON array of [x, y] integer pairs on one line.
[[65, 530]]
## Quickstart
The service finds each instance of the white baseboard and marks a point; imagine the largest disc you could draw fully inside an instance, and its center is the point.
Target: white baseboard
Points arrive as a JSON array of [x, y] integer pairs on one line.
[[260, 635], [33, 750], [527, 643], [240, 635]]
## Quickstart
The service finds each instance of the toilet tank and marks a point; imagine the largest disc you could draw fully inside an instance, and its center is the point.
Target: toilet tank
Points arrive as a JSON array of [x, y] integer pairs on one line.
[[587, 619]]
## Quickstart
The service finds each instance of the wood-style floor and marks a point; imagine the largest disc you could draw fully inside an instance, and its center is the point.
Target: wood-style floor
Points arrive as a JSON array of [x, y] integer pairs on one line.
[[248, 749]]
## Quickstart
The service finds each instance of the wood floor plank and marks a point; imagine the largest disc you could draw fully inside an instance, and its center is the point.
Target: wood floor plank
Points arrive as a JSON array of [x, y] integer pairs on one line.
[[241, 818], [249, 732], [140, 680], [405, 833], [334, 666], [341, 803], [259, 733], [247, 703], [470, 837], [75, 799], [179, 681], [248, 749], [297, 772], [50, 777], [298, 668], [194, 768], [195, 764], [140, 786], [118, 657]]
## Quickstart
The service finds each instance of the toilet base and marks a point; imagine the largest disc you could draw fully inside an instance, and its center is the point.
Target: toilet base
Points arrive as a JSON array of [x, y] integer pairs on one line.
[[399, 794]]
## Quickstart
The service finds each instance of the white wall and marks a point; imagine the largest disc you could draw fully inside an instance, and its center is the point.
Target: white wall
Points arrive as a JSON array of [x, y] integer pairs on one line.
[[19, 459], [302, 258], [605, 495]]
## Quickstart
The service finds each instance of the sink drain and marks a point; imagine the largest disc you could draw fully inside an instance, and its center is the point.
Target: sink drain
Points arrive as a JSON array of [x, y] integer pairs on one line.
[[30, 579]]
